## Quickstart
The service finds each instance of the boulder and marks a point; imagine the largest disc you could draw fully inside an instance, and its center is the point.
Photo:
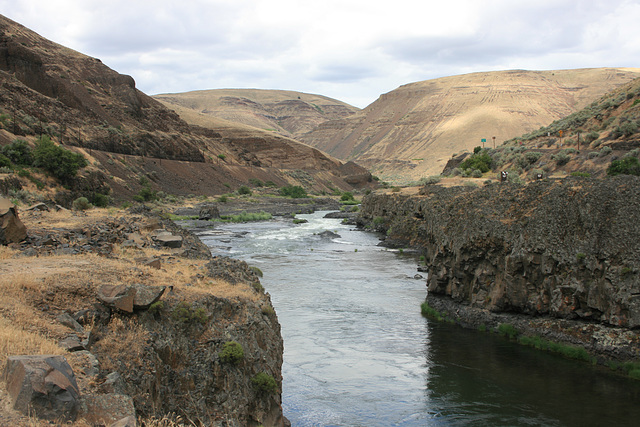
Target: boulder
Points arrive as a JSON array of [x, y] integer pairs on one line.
[[12, 230], [39, 207], [146, 295], [43, 385], [169, 240], [208, 212], [118, 296]]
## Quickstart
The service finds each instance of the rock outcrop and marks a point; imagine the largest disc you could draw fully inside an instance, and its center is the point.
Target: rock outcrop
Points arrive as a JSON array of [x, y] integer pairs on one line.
[[567, 249], [140, 341], [12, 230]]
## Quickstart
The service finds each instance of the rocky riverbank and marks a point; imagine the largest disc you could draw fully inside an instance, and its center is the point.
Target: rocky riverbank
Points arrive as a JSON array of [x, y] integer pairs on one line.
[[556, 251], [144, 317]]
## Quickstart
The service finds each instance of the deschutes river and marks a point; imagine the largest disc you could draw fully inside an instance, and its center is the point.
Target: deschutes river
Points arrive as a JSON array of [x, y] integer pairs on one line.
[[359, 353]]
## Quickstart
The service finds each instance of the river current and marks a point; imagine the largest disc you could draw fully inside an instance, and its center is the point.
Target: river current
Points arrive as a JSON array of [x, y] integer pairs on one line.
[[359, 353]]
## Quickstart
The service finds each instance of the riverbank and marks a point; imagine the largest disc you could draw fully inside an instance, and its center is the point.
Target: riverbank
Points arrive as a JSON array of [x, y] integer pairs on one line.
[[561, 255], [141, 311]]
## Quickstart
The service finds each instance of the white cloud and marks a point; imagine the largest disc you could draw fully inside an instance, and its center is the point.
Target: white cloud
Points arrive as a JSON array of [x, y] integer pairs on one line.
[[351, 50]]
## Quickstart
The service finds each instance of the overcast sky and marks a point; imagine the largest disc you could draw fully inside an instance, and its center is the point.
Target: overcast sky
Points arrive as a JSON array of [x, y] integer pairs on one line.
[[351, 50]]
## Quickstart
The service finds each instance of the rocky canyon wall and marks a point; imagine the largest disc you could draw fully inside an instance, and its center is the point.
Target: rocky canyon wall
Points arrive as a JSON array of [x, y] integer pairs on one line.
[[567, 249]]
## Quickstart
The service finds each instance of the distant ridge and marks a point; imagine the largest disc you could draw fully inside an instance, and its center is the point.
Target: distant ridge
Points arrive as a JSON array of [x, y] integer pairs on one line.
[[285, 112], [412, 131]]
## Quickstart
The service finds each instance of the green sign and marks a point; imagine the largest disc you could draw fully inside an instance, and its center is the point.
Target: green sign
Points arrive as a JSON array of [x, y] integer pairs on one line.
[[483, 140]]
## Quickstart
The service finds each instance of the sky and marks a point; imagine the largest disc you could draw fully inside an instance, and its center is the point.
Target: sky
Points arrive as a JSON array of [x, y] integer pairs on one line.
[[350, 50]]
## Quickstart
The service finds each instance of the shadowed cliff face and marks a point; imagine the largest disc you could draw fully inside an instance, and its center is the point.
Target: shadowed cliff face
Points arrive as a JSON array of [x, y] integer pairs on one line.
[[564, 248]]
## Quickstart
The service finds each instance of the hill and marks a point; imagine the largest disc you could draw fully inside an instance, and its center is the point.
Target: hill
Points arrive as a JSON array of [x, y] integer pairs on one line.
[[412, 131], [129, 138], [285, 112]]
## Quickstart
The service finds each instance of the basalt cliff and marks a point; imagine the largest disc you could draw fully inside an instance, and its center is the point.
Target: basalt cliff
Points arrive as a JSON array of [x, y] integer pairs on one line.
[[554, 252]]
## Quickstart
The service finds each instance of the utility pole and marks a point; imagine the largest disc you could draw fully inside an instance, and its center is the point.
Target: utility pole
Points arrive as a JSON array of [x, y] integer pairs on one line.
[[494, 142]]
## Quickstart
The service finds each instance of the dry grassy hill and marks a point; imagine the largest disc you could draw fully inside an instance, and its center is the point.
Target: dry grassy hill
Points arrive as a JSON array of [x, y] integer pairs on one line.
[[48, 89], [411, 132], [285, 112]]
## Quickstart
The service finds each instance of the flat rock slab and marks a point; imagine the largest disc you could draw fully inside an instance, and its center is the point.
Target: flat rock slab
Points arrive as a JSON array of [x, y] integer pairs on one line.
[[43, 385], [169, 240]]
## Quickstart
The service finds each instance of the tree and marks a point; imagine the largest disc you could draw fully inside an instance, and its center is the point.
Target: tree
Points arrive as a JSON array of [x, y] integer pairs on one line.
[[59, 162]]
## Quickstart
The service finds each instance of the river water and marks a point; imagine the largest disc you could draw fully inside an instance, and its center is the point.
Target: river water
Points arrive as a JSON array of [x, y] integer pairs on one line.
[[359, 353]]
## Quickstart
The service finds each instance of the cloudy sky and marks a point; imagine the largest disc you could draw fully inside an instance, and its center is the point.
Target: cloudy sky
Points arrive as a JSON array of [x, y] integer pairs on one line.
[[351, 50]]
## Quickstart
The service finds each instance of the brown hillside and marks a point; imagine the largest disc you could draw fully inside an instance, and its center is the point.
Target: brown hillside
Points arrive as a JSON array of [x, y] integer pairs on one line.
[[286, 112], [412, 131], [46, 88]]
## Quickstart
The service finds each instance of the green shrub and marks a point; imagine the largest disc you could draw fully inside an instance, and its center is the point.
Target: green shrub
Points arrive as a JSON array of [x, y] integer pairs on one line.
[[293, 191], [591, 136], [19, 152], [5, 162], [222, 199], [156, 307], [593, 154], [433, 179], [346, 196], [428, 311], [625, 166], [562, 158], [100, 200], [187, 315], [248, 217], [244, 190], [508, 330], [480, 161], [232, 353], [257, 271], [62, 164], [81, 204], [605, 151], [264, 383], [255, 182], [476, 174]]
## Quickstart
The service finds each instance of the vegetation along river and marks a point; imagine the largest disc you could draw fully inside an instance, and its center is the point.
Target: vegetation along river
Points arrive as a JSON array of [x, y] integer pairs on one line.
[[359, 353]]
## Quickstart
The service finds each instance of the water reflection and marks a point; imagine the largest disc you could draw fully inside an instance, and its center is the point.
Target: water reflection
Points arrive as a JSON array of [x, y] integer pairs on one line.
[[481, 379]]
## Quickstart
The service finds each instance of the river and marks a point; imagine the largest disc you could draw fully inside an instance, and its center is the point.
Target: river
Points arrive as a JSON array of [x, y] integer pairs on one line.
[[359, 353]]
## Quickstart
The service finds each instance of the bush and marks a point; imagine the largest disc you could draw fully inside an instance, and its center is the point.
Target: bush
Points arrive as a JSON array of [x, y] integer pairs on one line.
[[293, 191], [264, 383], [625, 166], [5, 162], [100, 200], [591, 136], [476, 174], [146, 194], [187, 315], [62, 164], [232, 353], [244, 190], [562, 158], [433, 179], [255, 182], [480, 161], [593, 154], [605, 151], [19, 152], [346, 196], [81, 204]]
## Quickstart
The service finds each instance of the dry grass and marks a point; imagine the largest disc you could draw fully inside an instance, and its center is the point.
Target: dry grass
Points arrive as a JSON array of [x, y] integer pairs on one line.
[[35, 290]]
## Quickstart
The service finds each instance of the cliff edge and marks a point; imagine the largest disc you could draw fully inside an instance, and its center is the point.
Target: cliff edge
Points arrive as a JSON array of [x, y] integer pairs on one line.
[[560, 249]]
